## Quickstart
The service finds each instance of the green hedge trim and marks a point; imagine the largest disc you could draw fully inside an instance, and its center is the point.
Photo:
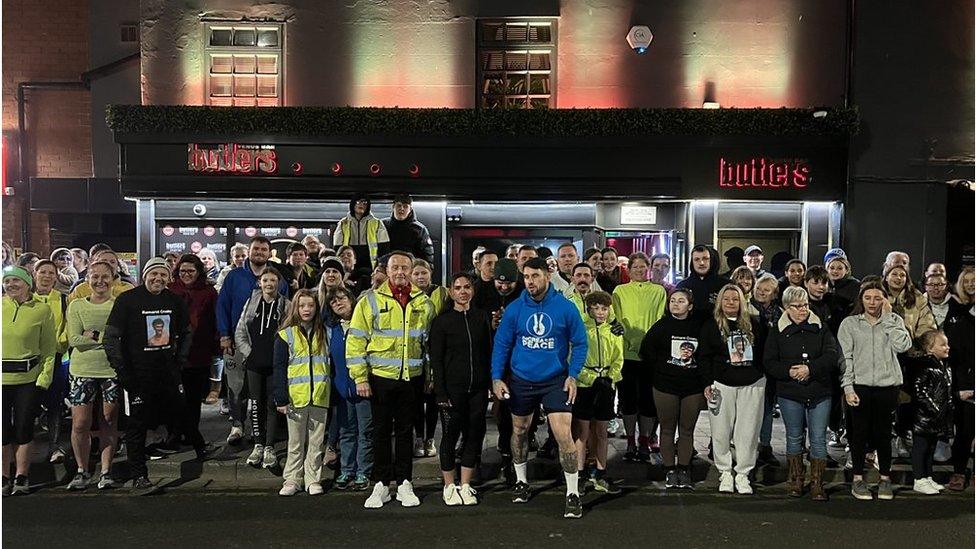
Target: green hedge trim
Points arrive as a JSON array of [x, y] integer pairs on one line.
[[365, 121]]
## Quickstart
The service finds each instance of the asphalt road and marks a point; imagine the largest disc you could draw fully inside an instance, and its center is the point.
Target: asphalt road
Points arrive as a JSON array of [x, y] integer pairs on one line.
[[637, 518]]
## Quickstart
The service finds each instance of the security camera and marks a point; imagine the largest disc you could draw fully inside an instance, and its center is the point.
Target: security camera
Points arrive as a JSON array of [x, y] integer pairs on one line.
[[639, 38], [199, 210]]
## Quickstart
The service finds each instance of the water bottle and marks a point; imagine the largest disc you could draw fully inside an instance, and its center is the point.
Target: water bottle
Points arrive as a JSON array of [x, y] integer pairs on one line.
[[805, 360], [715, 403]]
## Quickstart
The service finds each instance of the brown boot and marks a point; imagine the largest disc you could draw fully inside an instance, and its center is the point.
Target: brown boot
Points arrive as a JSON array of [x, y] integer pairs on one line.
[[817, 492], [957, 482], [794, 482], [214, 395]]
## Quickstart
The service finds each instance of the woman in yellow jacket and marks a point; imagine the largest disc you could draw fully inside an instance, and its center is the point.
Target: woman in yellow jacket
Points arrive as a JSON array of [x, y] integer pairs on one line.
[[595, 393], [29, 346], [302, 384], [84, 290], [637, 305], [46, 291]]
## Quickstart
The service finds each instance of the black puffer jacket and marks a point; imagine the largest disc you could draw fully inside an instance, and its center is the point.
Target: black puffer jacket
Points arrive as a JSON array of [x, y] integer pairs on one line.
[[786, 346], [411, 236], [933, 398], [460, 352], [704, 288], [846, 289], [960, 330]]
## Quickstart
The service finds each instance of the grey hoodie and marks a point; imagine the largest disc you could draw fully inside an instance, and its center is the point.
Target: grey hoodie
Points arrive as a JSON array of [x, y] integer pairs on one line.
[[242, 339], [871, 352]]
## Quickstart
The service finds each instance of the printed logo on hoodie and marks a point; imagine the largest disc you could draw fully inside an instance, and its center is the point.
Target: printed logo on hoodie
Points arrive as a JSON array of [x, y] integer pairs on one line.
[[539, 324]]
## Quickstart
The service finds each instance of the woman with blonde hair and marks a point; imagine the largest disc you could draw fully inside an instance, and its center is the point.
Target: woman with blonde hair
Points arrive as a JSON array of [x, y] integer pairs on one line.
[[965, 286], [730, 354]]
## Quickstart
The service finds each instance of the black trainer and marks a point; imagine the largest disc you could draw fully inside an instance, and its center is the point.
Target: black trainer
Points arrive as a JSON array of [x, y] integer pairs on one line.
[[684, 479], [521, 492], [630, 456], [671, 479], [574, 508], [142, 483]]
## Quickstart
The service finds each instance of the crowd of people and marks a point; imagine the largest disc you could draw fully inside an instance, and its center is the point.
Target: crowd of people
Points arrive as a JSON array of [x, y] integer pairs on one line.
[[362, 353]]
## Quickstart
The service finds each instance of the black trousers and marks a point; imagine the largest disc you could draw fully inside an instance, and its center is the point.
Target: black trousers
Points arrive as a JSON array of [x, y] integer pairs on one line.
[[923, 454], [154, 404], [634, 390], [264, 413], [196, 386], [426, 414], [20, 407], [393, 406], [503, 417], [465, 417], [871, 425], [962, 444]]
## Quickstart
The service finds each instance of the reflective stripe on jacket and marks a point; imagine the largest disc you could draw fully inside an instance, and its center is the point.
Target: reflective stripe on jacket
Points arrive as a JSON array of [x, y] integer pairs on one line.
[[386, 339], [308, 369], [372, 235]]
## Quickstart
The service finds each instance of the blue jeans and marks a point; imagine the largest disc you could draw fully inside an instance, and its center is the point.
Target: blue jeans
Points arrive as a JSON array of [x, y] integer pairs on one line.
[[802, 421], [355, 421], [766, 430]]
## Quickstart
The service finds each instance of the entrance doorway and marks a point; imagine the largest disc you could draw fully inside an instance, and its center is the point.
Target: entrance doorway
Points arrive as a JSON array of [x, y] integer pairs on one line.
[[778, 247]]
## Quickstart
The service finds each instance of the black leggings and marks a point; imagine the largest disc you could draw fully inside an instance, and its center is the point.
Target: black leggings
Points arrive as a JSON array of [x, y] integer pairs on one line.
[[963, 443], [923, 454], [678, 413], [19, 410], [634, 390], [425, 421], [871, 422], [264, 414], [196, 385], [465, 417], [503, 417]]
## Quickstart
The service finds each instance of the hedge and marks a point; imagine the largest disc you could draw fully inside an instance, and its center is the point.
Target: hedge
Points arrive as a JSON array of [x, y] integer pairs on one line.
[[365, 121]]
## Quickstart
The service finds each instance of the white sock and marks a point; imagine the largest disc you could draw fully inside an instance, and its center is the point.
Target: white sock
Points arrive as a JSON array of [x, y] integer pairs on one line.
[[572, 483], [522, 472]]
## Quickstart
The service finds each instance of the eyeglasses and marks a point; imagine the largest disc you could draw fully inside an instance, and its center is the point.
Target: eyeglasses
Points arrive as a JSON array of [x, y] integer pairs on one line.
[[799, 306], [188, 271], [933, 285]]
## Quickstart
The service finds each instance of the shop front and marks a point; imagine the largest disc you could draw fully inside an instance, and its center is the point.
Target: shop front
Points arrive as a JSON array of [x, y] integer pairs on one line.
[[657, 193]]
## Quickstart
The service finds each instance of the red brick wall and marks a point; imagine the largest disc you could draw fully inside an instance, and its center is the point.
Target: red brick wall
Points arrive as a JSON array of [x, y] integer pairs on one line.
[[45, 40]]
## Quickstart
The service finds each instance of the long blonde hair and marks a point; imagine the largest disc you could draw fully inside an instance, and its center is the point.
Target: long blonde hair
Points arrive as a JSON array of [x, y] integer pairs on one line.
[[961, 289], [743, 320], [292, 318]]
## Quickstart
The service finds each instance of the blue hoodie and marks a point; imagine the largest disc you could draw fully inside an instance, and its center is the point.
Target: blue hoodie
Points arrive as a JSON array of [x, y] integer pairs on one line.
[[344, 386], [535, 338]]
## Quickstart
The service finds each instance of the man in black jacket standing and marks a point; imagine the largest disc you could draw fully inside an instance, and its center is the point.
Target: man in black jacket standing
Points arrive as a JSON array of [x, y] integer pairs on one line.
[[703, 280], [148, 365], [406, 233]]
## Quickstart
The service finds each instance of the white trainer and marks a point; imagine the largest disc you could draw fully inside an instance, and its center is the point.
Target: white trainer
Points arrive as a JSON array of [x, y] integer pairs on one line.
[[405, 495], [254, 458], [315, 489], [726, 483], [380, 495], [418, 448], [468, 495], [923, 486], [937, 486], [289, 488], [451, 496], [742, 485]]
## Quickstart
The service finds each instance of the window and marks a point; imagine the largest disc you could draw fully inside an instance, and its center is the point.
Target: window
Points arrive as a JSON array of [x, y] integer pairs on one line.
[[129, 33], [516, 64], [244, 64]]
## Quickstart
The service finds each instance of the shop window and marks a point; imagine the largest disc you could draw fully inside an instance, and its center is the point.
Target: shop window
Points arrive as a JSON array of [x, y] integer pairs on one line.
[[244, 64], [516, 63]]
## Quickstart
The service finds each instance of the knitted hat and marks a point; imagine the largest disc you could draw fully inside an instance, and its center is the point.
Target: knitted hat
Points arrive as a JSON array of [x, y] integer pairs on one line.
[[18, 272], [506, 270], [154, 263], [834, 253], [332, 262]]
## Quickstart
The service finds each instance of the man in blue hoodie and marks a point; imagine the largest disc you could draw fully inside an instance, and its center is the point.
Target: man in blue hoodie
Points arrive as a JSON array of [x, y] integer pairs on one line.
[[537, 332]]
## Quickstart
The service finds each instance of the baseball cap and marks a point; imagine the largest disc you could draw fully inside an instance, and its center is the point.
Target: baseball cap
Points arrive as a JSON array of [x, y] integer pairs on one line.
[[506, 270], [751, 249]]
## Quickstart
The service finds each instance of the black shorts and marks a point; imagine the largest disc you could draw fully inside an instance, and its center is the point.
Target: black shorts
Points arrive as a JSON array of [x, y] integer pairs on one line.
[[594, 403], [20, 408], [526, 396], [636, 397]]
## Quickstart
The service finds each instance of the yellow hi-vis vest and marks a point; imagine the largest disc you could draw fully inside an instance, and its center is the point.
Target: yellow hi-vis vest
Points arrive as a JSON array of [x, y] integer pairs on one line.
[[308, 370], [386, 339], [372, 232]]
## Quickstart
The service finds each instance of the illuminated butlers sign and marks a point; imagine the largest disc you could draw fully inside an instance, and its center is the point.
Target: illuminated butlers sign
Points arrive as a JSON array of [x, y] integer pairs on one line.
[[231, 158], [764, 172]]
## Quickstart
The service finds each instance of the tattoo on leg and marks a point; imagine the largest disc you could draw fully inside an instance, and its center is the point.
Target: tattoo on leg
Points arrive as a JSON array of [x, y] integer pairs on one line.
[[568, 461], [520, 447]]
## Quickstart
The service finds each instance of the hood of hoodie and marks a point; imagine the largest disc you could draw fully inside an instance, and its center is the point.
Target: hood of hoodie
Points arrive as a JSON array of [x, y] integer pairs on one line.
[[352, 204], [713, 265]]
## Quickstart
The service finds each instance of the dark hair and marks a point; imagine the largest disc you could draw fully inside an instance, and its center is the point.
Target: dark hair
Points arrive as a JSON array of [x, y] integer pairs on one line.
[[865, 286], [26, 257], [687, 345], [581, 264], [908, 291], [527, 248], [536, 263], [543, 252], [639, 256], [800, 261], [456, 276], [42, 263], [598, 298], [660, 256], [195, 261], [159, 321], [609, 249], [403, 199], [338, 291], [687, 292], [590, 252], [98, 247], [816, 273], [487, 252], [171, 253], [566, 245], [296, 247], [259, 240]]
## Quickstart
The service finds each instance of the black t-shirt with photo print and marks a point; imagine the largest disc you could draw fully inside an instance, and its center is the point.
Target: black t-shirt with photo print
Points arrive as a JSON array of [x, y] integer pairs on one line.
[[670, 350], [735, 360], [153, 328]]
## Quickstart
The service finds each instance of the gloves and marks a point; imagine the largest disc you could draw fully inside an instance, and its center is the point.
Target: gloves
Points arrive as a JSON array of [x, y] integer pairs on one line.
[[604, 383], [616, 328]]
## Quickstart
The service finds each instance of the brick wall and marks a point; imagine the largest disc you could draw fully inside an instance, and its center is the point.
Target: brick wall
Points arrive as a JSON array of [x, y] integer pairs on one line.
[[46, 40]]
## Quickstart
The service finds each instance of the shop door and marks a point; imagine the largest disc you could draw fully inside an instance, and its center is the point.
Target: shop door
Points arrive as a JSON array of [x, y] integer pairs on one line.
[[776, 245], [465, 240]]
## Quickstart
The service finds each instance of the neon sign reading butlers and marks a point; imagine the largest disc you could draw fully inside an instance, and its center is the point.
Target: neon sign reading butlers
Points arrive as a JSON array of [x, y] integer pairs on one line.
[[232, 158], [764, 172]]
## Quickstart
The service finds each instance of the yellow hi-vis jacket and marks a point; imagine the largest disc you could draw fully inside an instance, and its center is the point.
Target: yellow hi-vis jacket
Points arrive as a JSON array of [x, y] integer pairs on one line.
[[386, 339], [578, 300], [308, 369], [604, 355], [638, 305], [373, 228]]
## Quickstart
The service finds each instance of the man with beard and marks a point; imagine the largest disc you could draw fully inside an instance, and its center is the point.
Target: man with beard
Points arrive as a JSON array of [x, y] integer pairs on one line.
[[234, 293]]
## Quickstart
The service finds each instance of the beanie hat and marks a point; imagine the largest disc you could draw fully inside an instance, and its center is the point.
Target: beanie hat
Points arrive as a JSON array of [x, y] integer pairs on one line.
[[154, 263], [506, 270], [834, 253], [332, 262], [18, 272]]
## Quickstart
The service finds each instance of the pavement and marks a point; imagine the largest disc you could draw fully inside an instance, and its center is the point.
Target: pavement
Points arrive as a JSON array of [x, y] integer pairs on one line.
[[227, 469]]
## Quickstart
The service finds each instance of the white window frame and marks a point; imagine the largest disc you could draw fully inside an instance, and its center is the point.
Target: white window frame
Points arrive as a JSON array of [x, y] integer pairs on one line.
[[482, 45], [278, 50]]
